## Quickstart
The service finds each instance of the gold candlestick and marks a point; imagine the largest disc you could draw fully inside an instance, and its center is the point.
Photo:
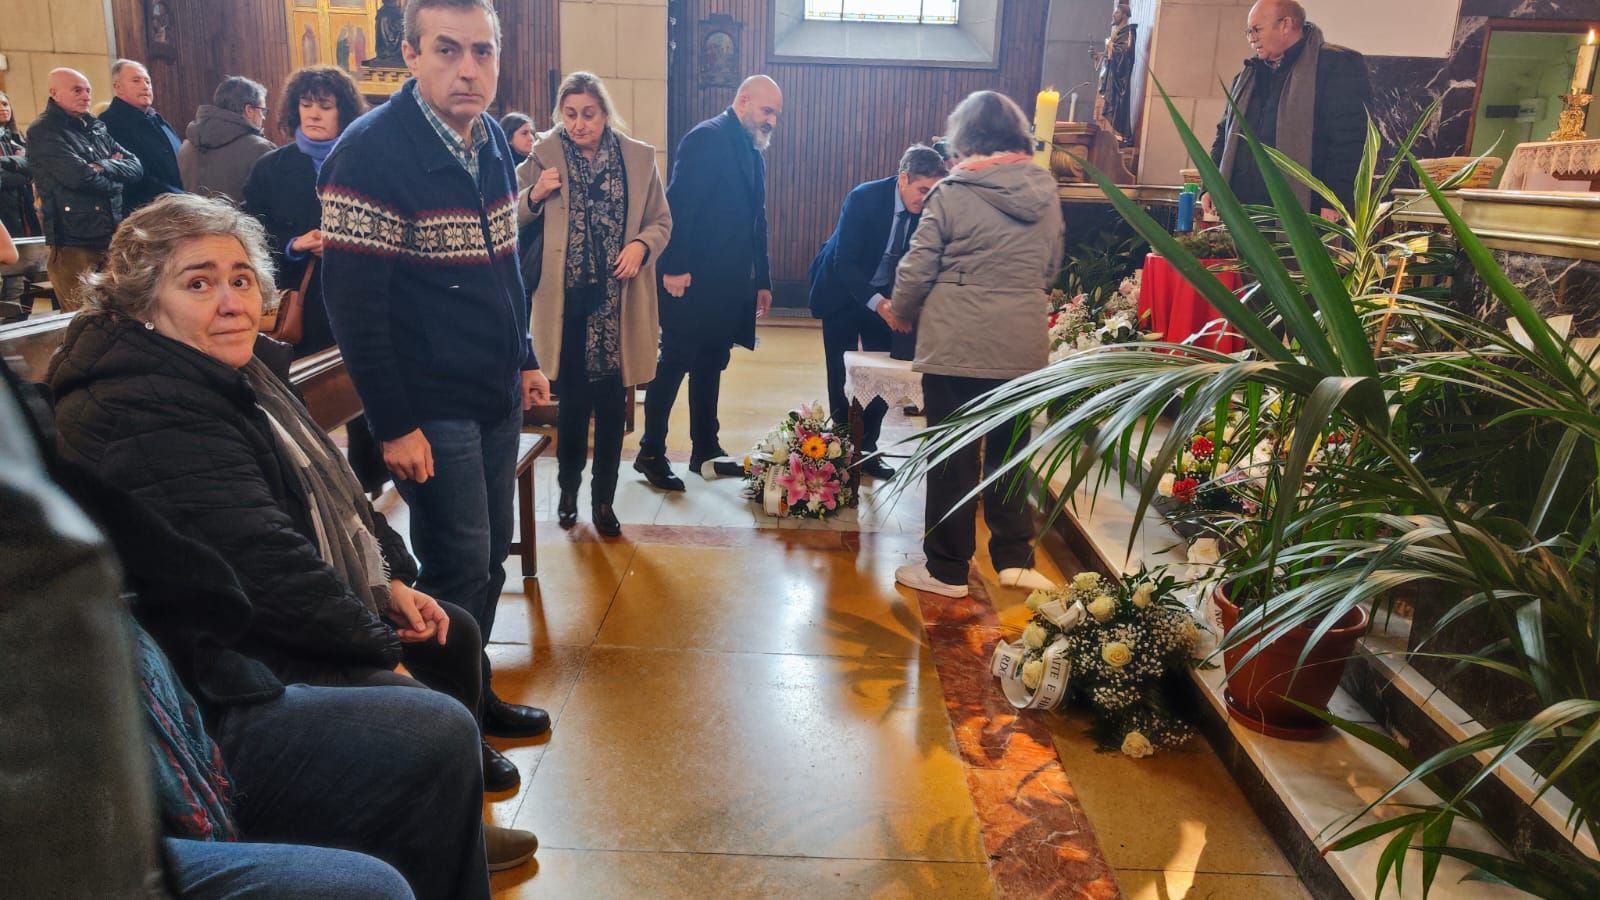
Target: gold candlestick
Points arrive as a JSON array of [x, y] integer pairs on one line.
[[1573, 117]]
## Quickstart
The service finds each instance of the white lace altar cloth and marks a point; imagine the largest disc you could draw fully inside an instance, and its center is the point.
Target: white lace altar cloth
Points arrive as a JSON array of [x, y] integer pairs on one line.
[[871, 375], [1534, 166]]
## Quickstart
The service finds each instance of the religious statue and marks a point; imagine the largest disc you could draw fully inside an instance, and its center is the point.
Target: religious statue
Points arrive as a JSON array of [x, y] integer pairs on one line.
[[388, 29], [1114, 100]]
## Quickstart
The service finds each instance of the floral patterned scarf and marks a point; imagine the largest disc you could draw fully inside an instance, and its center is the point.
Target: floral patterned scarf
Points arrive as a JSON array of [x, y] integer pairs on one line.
[[597, 215]]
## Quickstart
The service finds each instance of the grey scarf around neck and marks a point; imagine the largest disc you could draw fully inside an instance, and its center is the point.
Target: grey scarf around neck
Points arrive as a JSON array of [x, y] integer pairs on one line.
[[1296, 113], [340, 513]]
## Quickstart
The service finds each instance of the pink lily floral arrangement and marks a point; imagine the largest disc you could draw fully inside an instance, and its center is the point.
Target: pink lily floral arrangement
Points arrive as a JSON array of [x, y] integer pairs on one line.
[[802, 467]]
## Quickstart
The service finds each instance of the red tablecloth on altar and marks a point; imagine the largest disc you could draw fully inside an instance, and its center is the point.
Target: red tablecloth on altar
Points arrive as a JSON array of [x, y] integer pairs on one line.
[[1178, 311]]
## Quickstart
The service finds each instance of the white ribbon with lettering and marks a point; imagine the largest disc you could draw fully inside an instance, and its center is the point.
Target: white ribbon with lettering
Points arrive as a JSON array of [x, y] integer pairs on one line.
[[1065, 616], [1007, 664], [772, 493]]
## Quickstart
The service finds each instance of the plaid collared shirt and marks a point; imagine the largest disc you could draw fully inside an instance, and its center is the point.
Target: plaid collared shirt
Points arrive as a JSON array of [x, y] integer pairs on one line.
[[465, 153]]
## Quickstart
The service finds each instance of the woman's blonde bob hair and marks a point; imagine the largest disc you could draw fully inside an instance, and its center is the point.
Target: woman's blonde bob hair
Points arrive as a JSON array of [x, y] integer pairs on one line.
[[589, 83], [147, 240]]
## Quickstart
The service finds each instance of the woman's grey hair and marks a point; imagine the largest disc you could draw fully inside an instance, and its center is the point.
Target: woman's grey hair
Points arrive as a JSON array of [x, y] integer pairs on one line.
[[589, 83], [921, 161], [236, 92], [986, 123], [147, 240]]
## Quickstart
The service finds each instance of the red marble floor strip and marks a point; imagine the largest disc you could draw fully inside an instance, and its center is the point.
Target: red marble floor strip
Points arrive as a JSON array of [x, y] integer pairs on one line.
[[1039, 841], [990, 733]]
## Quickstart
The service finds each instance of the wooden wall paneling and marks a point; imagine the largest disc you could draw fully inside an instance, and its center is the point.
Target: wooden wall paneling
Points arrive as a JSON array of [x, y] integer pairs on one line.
[[251, 38], [842, 124], [212, 40], [530, 64]]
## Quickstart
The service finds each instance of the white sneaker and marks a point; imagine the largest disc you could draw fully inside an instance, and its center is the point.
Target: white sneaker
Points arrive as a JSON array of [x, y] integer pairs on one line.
[[1027, 579], [917, 577]]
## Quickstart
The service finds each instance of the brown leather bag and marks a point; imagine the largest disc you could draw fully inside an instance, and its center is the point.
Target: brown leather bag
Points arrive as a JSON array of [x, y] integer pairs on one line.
[[290, 325]]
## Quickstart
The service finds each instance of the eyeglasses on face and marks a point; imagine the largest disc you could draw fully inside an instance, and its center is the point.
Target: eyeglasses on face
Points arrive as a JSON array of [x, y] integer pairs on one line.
[[1254, 30]]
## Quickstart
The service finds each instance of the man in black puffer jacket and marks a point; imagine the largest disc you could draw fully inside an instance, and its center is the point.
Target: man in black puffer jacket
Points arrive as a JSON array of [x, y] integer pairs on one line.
[[79, 171]]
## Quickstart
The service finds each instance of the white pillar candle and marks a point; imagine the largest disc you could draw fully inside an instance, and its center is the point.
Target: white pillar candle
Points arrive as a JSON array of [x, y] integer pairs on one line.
[[1584, 73]]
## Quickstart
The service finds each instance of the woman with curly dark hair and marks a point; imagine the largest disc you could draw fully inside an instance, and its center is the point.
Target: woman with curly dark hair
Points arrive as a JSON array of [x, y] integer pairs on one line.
[[319, 102]]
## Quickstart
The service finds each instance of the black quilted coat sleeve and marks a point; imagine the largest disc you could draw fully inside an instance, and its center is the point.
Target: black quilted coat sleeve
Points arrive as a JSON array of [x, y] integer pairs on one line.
[[199, 470]]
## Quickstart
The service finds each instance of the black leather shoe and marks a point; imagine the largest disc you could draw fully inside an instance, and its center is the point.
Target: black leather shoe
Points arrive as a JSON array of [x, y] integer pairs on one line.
[[658, 472], [510, 720], [567, 509], [499, 773], [605, 520], [876, 468], [698, 459]]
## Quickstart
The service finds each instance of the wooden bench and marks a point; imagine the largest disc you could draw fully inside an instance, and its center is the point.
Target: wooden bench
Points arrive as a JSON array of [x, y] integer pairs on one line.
[[330, 398], [530, 446], [332, 401]]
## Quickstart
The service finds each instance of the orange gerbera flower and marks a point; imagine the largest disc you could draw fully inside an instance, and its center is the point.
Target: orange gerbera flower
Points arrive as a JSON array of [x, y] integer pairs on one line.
[[814, 447]]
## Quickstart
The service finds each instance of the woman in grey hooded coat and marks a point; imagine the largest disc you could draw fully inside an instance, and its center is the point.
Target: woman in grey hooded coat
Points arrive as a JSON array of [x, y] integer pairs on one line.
[[975, 283]]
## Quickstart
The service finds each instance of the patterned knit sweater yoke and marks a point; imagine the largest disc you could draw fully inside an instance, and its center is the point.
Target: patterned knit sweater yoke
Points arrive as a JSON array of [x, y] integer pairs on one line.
[[420, 273]]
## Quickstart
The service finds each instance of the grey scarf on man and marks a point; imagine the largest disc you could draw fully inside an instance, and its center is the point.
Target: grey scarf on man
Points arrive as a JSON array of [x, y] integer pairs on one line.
[[1297, 112], [340, 513]]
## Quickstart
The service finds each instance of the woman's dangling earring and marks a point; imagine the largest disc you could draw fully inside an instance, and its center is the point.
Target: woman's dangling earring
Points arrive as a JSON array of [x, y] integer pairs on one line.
[[149, 326]]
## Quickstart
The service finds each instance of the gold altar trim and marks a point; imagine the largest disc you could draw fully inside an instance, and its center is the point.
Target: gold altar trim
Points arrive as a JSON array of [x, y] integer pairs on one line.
[[1565, 225]]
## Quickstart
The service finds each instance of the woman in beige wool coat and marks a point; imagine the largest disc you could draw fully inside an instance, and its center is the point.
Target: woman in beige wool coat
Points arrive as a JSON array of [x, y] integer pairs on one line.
[[595, 324]]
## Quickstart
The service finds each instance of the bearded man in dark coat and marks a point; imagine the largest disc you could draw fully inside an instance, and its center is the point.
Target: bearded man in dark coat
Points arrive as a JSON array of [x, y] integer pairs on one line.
[[715, 276]]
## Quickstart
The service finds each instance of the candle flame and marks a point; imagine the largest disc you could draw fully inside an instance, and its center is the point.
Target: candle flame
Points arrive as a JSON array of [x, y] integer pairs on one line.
[[1590, 41]]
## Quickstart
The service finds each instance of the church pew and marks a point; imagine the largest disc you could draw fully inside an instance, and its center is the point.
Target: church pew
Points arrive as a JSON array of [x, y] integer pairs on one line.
[[330, 398]]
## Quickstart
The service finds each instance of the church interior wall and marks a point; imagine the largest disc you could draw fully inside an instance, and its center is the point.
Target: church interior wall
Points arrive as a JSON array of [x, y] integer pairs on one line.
[[842, 124], [40, 35]]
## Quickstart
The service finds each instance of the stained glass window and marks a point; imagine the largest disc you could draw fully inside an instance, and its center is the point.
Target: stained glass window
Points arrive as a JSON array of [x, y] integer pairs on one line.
[[923, 12]]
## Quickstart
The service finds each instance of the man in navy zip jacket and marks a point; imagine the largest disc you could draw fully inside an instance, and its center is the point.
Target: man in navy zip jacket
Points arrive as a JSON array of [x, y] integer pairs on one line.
[[854, 272], [421, 281]]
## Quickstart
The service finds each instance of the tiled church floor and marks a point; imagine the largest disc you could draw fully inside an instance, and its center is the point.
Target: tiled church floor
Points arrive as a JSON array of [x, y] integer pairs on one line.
[[748, 708]]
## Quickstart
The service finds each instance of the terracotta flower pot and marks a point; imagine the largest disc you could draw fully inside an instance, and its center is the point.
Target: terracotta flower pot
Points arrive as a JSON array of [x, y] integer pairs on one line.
[[1256, 692]]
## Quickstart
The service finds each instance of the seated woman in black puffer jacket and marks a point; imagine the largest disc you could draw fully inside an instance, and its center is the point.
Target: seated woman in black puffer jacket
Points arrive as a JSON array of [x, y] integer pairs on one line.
[[164, 387]]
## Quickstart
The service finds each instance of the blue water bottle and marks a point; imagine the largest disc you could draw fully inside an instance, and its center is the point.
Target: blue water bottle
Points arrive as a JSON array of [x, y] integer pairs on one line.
[[1185, 212]]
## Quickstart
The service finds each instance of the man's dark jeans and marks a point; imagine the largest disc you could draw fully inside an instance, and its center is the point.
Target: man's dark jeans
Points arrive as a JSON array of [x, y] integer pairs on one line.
[[393, 772], [461, 518]]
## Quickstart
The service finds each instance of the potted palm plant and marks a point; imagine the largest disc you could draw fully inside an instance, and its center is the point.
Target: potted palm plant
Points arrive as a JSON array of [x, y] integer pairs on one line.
[[1414, 503]]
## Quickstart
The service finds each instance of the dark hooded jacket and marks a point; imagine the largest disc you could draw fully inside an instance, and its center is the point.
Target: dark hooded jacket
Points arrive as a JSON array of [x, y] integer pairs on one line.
[[219, 148], [182, 432], [975, 278]]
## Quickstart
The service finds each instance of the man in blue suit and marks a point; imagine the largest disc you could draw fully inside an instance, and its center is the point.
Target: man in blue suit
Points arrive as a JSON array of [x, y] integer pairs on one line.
[[715, 276], [853, 276]]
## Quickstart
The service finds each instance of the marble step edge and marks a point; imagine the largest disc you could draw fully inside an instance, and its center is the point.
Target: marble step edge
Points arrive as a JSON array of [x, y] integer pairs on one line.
[[1385, 645], [1314, 783]]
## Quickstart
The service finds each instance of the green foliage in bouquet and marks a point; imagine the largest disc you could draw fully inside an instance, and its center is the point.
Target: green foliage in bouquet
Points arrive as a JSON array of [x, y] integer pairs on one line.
[[1209, 243], [1125, 640], [1096, 268]]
